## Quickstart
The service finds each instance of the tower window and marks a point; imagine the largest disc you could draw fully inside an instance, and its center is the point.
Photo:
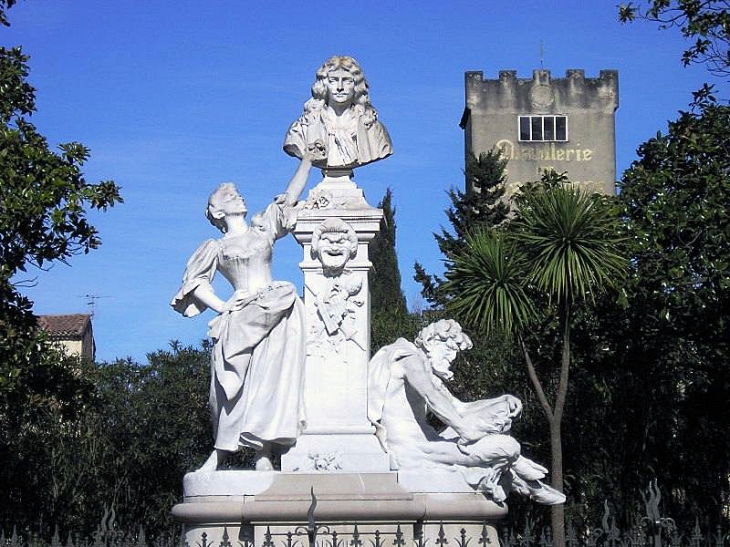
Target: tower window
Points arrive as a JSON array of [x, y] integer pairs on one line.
[[543, 128]]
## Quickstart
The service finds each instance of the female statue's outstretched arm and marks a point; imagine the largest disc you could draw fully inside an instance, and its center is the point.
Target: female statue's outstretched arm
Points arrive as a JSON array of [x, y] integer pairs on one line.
[[315, 151]]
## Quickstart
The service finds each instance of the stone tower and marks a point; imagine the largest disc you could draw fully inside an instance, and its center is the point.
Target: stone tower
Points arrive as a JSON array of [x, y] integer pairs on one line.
[[565, 124]]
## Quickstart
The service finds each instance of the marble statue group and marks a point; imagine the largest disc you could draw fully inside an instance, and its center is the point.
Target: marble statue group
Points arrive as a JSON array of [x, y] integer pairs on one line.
[[263, 337]]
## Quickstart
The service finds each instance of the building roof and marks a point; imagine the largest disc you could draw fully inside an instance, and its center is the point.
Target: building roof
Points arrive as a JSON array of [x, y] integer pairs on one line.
[[65, 326]]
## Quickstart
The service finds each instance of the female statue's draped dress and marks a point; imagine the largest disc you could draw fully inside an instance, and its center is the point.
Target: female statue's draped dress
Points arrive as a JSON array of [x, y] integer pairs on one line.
[[257, 363]]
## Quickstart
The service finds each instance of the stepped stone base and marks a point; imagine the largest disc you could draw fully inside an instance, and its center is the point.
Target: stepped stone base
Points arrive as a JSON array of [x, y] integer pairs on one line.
[[245, 506]]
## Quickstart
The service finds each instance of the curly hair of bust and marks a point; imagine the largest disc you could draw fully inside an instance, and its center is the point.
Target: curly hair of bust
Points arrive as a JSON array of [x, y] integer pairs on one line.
[[361, 95], [443, 330], [337, 226]]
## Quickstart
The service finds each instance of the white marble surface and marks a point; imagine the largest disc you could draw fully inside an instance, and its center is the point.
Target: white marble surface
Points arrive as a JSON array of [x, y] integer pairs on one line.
[[259, 342], [338, 437], [407, 380], [228, 483], [356, 452], [341, 116]]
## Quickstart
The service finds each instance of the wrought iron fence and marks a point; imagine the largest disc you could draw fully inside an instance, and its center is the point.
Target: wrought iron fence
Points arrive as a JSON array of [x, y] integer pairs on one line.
[[332, 536], [651, 530]]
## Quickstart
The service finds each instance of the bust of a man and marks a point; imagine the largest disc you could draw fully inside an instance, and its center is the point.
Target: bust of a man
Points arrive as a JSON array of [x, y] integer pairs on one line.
[[340, 115]]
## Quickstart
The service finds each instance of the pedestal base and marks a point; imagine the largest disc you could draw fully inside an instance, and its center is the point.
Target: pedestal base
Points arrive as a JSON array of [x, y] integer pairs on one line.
[[245, 506], [343, 453]]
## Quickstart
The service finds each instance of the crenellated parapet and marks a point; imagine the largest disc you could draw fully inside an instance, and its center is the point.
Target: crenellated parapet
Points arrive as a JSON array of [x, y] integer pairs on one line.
[[542, 93]]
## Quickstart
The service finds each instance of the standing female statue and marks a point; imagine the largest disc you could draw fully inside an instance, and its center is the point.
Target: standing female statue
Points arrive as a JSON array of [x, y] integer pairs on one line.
[[340, 115], [257, 362]]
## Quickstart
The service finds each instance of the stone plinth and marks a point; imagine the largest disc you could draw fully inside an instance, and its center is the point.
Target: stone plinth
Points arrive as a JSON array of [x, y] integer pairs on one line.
[[246, 504], [338, 436]]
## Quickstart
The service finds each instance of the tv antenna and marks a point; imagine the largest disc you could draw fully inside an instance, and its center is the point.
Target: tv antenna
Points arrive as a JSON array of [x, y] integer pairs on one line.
[[91, 302]]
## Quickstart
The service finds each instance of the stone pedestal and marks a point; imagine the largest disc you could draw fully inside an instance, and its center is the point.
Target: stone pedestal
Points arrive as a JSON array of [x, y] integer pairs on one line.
[[338, 436], [255, 507]]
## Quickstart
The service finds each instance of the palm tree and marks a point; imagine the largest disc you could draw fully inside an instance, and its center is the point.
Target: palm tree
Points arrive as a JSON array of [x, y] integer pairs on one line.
[[562, 247]]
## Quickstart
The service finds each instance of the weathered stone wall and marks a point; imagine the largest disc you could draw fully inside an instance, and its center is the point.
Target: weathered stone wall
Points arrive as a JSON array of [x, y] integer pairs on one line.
[[588, 156]]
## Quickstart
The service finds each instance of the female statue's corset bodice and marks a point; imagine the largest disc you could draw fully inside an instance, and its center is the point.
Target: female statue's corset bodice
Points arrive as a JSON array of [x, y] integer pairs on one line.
[[245, 261]]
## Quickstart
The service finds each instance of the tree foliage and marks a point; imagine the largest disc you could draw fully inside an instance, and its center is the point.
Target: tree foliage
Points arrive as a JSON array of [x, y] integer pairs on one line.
[[676, 199], [44, 199], [706, 23], [481, 205], [38, 408], [140, 429], [385, 281], [4, 5], [650, 389], [649, 378], [389, 313], [675, 333], [560, 250], [154, 426]]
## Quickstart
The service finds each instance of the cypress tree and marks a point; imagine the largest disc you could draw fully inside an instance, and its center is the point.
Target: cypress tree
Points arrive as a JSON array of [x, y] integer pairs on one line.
[[481, 205], [389, 313]]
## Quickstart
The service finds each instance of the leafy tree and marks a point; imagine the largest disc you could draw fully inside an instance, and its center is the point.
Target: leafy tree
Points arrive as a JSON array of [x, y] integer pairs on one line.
[[653, 372], [704, 22], [389, 313], [4, 5], [481, 205], [151, 427], [385, 286], [649, 384], [676, 330], [674, 334], [43, 201], [676, 198], [559, 250], [38, 413], [127, 449]]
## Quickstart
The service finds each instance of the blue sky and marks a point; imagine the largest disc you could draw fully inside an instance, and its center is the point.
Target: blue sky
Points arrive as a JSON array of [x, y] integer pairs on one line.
[[176, 97]]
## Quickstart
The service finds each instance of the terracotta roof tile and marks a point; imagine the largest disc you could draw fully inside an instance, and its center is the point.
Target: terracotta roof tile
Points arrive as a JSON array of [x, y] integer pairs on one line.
[[71, 325]]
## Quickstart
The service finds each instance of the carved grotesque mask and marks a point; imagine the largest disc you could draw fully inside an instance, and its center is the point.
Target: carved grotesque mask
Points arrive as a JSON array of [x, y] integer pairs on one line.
[[334, 243]]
